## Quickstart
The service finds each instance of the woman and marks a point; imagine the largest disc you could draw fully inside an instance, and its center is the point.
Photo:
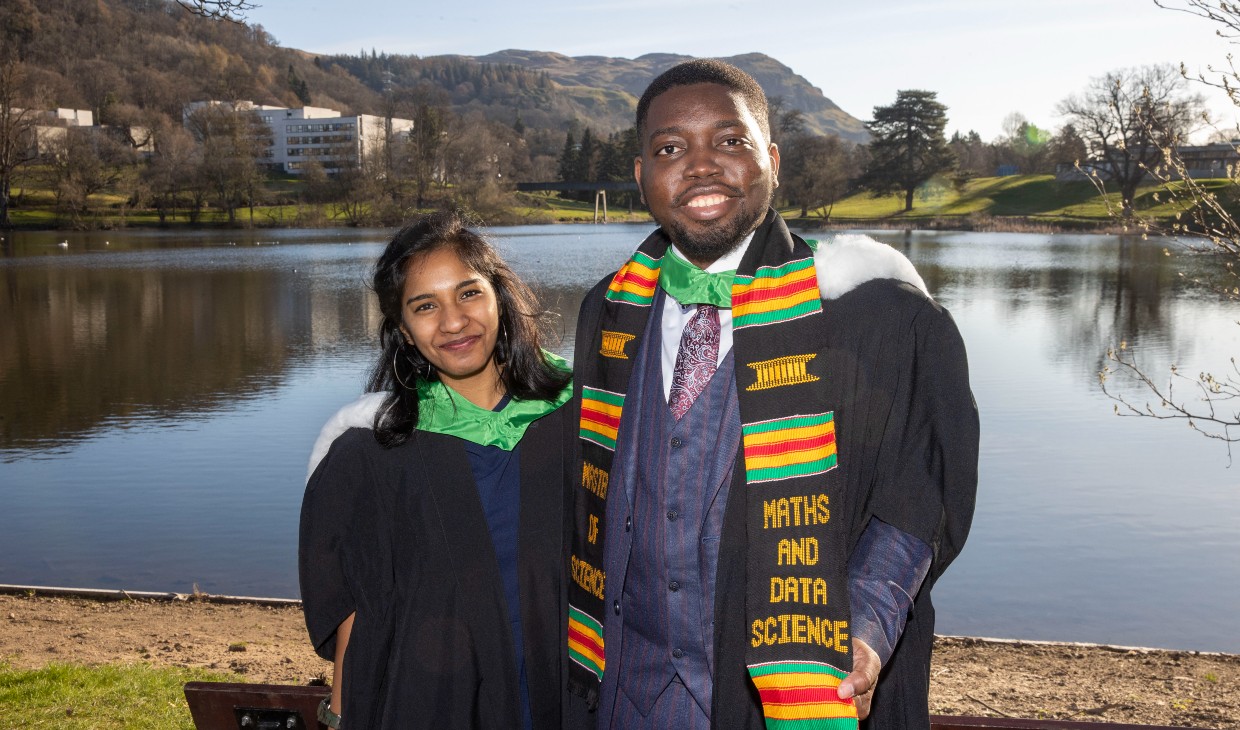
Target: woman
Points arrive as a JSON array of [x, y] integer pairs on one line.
[[432, 536]]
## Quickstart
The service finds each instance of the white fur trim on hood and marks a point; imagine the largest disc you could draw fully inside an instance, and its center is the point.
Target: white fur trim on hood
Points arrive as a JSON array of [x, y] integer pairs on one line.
[[358, 414], [847, 261]]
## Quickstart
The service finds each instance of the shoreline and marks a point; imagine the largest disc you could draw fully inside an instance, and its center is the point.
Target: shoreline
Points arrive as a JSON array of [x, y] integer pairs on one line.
[[122, 594], [267, 643], [971, 223]]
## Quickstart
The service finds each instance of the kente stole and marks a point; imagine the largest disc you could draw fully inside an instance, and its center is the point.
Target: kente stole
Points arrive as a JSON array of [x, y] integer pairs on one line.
[[799, 648]]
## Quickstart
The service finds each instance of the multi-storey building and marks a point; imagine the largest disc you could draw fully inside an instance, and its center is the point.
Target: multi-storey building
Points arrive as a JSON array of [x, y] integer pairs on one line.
[[313, 133]]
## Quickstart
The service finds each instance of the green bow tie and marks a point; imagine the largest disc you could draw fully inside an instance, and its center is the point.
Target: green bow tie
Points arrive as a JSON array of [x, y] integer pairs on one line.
[[688, 284]]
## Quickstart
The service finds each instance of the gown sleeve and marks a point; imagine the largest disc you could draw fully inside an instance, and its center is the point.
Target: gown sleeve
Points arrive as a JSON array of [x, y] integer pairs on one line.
[[326, 540], [930, 450]]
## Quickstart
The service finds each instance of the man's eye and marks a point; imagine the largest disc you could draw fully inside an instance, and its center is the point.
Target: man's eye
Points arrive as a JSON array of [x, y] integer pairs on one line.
[[666, 149], [733, 142]]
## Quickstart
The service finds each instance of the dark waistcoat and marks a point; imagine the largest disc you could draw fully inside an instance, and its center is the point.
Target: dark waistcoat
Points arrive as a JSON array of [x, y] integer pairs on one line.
[[676, 477]]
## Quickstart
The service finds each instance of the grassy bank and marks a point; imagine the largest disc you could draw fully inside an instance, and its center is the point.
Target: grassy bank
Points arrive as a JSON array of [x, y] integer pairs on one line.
[[1018, 202], [36, 209], [71, 696]]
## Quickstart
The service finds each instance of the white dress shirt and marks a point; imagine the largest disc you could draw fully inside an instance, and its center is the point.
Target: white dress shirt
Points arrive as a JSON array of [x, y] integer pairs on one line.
[[676, 316]]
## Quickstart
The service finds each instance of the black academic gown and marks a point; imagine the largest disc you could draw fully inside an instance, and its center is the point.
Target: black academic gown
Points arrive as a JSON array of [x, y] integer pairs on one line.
[[399, 536], [907, 433]]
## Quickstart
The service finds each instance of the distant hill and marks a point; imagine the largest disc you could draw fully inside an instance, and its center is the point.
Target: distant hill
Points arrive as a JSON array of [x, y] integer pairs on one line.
[[138, 61], [629, 77]]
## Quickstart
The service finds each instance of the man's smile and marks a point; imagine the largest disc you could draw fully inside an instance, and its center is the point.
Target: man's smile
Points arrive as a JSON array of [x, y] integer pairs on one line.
[[702, 201], [708, 202]]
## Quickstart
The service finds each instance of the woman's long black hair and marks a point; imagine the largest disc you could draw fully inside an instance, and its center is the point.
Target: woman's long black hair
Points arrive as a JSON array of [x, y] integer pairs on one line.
[[524, 371]]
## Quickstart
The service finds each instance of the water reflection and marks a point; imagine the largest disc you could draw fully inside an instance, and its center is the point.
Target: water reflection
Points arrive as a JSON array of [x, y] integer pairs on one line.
[[1097, 290], [158, 397], [93, 344]]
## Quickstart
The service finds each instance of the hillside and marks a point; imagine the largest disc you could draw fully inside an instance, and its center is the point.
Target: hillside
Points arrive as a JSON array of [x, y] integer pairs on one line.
[[631, 76], [143, 60]]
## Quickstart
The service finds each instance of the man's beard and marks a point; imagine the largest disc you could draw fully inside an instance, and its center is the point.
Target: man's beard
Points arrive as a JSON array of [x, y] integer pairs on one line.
[[720, 237]]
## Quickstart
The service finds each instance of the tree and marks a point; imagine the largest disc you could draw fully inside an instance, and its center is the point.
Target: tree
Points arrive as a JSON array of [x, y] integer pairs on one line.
[[1067, 148], [172, 168], [482, 158], [616, 163], [421, 151], [18, 146], [568, 158], [1128, 118], [908, 146], [81, 163], [817, 172], [1209, 402], [1024, 145], [785, 123], [974, 158], [233, 142], [233, 10]]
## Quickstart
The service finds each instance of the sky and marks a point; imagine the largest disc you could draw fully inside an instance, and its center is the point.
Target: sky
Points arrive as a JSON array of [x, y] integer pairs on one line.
[[986, 59]]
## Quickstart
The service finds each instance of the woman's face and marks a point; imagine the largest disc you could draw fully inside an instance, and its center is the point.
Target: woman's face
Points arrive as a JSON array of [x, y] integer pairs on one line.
[[451, 314]]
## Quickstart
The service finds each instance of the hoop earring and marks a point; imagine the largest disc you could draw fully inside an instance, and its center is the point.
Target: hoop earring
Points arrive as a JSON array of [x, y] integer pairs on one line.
[[396, 370], [503, 348]]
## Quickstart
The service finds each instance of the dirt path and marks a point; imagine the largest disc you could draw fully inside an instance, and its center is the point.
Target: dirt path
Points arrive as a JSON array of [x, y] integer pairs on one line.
[[969, 677]]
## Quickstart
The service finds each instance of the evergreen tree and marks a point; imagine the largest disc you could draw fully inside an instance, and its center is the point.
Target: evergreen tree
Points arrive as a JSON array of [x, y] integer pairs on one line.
[[568, 158], [586, 168], [908, 146], [298, 85]]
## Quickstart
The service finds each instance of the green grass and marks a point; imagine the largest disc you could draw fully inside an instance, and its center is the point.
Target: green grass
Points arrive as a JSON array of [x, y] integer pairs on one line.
[[1019, 199], [1034, 197], [554, 208], [73, 697]]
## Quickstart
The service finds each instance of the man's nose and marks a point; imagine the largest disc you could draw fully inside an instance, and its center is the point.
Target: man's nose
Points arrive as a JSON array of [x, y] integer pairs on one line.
[[702, 161]]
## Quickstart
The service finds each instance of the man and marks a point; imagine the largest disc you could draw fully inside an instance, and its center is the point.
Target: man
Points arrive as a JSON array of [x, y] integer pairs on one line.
[[778, 449]]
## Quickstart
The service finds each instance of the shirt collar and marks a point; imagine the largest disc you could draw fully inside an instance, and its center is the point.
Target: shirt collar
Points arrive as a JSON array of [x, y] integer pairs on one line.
[[728, 262]]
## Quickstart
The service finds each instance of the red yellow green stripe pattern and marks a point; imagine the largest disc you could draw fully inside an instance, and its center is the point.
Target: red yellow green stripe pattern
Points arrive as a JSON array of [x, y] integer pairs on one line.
[[795, 446], [775, 294], [585, 641], [802, 696], [600, 416], [636, 281]]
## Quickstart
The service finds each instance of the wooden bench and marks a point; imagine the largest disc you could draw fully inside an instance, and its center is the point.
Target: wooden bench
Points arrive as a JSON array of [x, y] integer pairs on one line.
[[239, 706], [235, 706]]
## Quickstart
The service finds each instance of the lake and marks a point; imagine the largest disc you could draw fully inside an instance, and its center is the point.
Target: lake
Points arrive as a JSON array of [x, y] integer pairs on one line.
[[159, 395]]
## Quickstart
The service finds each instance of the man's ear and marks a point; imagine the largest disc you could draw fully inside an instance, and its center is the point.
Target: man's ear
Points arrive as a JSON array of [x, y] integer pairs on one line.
[[637, 177], [774, 153]]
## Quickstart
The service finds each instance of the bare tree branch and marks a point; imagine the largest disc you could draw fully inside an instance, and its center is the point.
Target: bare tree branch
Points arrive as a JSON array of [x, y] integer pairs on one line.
[[1204, 224], [1129, 117], [1207, 408], [231, 10]]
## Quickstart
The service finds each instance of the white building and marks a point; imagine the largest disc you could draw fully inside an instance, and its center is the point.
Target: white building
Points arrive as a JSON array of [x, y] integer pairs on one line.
[[299, 135], [43, 131], [74, 117]]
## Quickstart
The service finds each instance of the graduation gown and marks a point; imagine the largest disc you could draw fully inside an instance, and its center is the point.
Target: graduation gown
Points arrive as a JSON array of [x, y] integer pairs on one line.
[[907, 433], [399, 537]]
